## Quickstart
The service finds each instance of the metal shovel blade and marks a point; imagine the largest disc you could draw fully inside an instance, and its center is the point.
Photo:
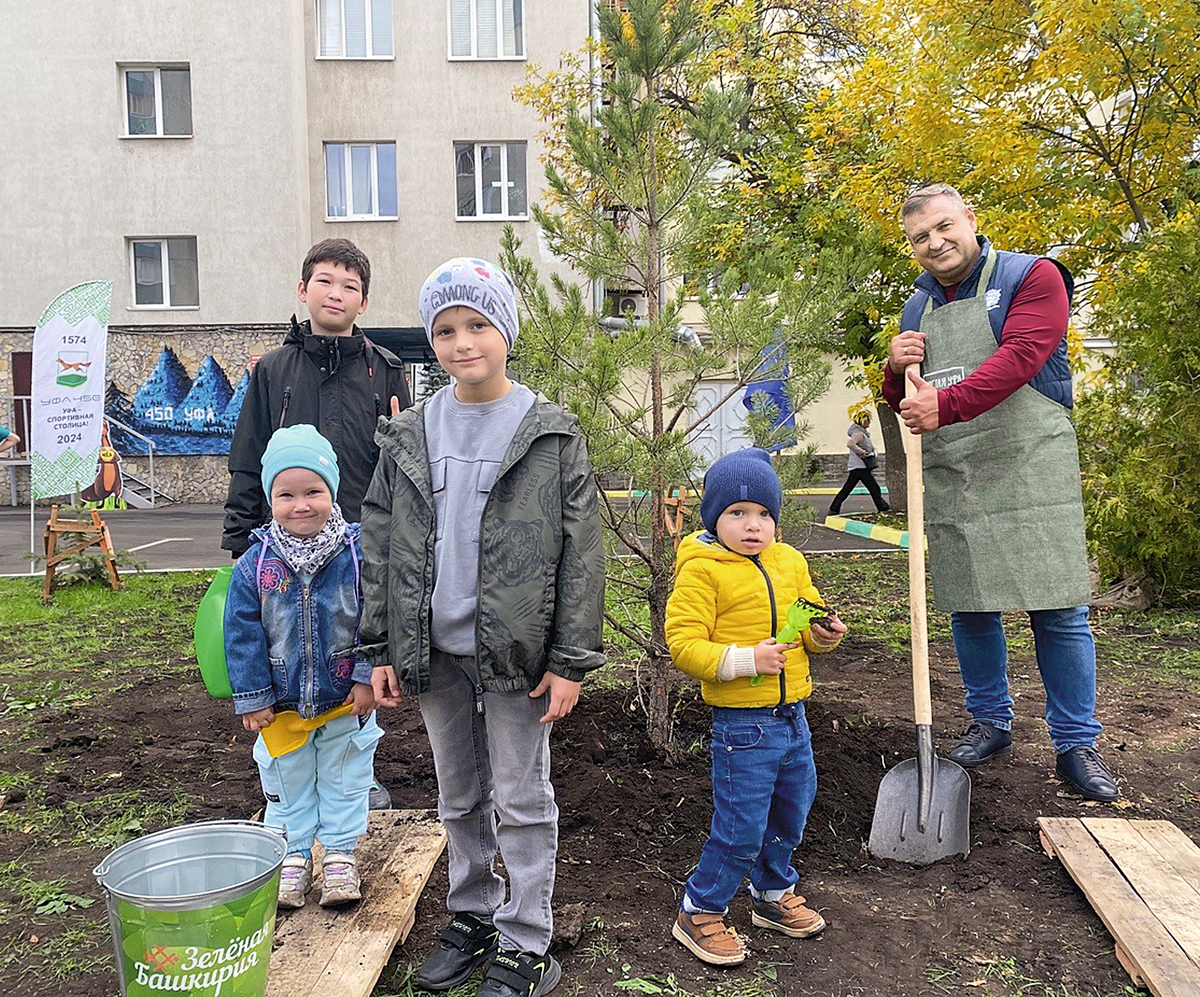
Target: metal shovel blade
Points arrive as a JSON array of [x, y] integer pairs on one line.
[[923, 810]]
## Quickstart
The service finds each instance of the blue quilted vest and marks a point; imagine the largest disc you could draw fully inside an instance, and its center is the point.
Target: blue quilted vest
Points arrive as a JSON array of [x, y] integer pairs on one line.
[[1054, 379]]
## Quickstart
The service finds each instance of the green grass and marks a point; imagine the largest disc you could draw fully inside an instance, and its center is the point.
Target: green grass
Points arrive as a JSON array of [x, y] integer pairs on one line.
[[101, 820], [1160, 644], [37, 897], [84, 627], [870, 593], [51, 931], [1003, 977], [400, 984], [63, 957]]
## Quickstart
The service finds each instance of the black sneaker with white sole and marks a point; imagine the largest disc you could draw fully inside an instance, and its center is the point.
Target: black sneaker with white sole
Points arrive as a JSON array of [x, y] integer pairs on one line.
[[521, 974], [467, 942]]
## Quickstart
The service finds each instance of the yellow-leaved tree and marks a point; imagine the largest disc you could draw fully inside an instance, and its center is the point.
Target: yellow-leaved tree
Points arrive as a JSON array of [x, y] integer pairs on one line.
[[1070, 123]]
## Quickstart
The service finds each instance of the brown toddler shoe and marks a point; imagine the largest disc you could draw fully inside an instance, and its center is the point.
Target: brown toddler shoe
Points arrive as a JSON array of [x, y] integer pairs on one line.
[[787, 914], [709, 939]]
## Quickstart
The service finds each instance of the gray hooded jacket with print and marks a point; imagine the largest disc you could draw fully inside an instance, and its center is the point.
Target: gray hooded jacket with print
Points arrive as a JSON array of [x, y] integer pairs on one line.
[[541, 559]]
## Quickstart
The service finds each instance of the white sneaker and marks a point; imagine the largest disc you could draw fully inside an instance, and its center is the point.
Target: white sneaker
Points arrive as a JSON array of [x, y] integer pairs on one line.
[[340, 880], [295, 879]]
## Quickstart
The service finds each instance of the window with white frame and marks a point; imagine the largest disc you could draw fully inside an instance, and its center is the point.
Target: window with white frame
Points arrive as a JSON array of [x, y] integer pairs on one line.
[[487, 29], [164, 272], [360, 180], [354, 29], [490, 180], [158, 100]]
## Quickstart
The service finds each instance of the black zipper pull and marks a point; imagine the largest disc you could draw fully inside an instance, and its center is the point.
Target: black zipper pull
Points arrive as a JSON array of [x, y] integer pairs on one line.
[[479, 700], [287, 397]]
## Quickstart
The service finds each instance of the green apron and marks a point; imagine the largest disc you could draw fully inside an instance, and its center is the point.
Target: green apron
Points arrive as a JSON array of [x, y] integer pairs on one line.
[[1003, 506]]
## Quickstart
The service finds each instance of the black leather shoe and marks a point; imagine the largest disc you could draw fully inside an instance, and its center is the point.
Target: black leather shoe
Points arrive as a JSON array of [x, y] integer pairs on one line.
[[521, 974], [1085, 772], [467, 942], [981, 742]]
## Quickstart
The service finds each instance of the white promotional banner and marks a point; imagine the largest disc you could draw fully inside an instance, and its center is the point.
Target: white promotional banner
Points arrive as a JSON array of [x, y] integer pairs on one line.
[[68, 389]]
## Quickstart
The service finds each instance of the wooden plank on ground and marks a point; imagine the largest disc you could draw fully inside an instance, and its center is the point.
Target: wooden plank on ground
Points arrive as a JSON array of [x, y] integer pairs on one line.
[[327, 952], [1179, 851], [1170, 897], [1144, 945]]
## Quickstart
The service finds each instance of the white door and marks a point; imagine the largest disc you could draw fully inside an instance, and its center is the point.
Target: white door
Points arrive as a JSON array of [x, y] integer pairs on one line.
[[725, 429]]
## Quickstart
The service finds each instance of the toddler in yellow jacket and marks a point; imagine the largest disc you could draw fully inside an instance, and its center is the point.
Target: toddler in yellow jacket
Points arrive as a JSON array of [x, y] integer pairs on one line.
[[733, 585]]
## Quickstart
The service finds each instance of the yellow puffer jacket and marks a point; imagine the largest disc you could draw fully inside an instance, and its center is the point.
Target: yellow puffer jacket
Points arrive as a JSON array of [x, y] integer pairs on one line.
[[722, 598]]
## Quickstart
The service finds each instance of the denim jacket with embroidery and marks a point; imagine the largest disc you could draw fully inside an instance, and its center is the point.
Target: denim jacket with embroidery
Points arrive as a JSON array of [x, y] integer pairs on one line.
[[288, 645]]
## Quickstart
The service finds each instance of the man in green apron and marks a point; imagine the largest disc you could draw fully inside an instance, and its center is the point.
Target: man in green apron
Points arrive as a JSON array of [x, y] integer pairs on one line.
[[984, 346]]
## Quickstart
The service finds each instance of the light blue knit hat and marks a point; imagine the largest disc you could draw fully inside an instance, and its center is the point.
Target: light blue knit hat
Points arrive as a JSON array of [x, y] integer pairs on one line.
[[299, 446]]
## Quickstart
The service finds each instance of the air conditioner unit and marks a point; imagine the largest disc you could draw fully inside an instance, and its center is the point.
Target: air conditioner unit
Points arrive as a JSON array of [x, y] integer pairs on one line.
[[630, 302]]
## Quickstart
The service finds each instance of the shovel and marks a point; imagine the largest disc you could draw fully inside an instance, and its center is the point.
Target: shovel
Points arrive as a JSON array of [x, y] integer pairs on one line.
[[923, 810], [288, 731]]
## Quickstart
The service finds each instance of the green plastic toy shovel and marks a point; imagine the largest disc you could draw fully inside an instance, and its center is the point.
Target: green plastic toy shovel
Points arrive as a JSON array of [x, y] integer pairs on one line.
[[801, 615], [288, 731]]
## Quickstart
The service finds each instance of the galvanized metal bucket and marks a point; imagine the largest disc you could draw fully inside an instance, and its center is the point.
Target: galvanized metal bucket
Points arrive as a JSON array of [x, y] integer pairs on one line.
[[192, 908]]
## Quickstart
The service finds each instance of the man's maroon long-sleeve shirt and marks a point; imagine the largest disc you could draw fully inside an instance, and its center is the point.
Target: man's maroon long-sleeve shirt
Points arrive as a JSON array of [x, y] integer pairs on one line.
[[1035, 325]]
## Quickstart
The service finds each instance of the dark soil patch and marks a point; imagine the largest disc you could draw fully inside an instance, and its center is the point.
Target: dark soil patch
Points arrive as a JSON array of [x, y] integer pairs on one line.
[[631, 829]]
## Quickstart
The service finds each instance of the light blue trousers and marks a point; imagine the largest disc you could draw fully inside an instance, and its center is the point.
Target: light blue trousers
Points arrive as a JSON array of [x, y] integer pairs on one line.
[[320, 790]]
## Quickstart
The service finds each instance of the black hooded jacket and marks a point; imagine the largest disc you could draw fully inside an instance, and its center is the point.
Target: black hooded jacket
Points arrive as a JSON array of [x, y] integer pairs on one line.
[[341, 385]]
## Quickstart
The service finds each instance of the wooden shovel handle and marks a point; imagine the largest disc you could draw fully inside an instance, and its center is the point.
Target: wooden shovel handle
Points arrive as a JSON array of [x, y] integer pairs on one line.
[[922, 704]]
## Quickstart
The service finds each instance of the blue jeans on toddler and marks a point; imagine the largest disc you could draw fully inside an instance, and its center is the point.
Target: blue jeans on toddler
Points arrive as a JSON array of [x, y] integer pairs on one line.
[[764, 782], [320, 789], [1066, 657]]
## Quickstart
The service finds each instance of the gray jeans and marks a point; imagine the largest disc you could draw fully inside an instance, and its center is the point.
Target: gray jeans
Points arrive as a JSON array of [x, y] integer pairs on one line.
[[493, 774]]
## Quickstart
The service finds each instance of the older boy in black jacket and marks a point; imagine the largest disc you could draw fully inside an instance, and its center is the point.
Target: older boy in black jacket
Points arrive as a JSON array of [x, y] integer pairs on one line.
[[326, 374]]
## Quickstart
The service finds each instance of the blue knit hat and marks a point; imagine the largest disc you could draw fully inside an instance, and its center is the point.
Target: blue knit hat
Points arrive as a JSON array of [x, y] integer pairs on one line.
[[476, 284], [299, 446], [742, 476]]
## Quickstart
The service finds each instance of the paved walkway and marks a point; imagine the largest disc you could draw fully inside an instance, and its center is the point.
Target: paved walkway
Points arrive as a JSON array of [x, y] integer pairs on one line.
[[175, 537], [170, 537]]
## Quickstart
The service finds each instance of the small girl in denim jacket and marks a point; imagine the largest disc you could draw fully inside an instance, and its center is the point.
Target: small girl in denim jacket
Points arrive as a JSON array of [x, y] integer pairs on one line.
[[291, 622]]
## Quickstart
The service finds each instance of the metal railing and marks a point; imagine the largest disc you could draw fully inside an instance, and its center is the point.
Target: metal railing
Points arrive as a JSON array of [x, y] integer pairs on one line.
[[14, 407], [15, 404], [149, 450]]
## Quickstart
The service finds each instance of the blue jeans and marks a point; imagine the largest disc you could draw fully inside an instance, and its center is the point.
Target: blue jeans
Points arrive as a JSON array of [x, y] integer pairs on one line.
[[320, 789], [764, 782], [1066, 657]]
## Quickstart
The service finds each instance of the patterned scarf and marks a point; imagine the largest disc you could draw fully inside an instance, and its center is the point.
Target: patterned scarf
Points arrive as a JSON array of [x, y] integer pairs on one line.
[[308, 555]]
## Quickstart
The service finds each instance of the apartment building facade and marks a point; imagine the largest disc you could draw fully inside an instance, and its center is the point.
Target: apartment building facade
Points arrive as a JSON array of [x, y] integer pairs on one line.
[[192, 152]]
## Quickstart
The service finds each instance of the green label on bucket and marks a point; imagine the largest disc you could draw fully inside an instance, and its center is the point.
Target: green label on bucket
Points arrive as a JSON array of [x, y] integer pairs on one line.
[[221, 951]]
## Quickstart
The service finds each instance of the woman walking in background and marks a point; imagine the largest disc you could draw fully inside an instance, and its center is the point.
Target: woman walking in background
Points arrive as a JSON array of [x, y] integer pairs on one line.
[[860, 465]]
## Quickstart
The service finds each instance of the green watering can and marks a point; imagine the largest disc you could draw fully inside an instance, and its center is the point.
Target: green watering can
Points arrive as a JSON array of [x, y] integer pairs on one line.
[[801, 615], [209, 635]]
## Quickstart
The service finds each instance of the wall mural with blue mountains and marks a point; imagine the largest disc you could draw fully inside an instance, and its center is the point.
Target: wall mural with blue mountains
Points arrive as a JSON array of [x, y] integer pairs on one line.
[[180, 414]]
